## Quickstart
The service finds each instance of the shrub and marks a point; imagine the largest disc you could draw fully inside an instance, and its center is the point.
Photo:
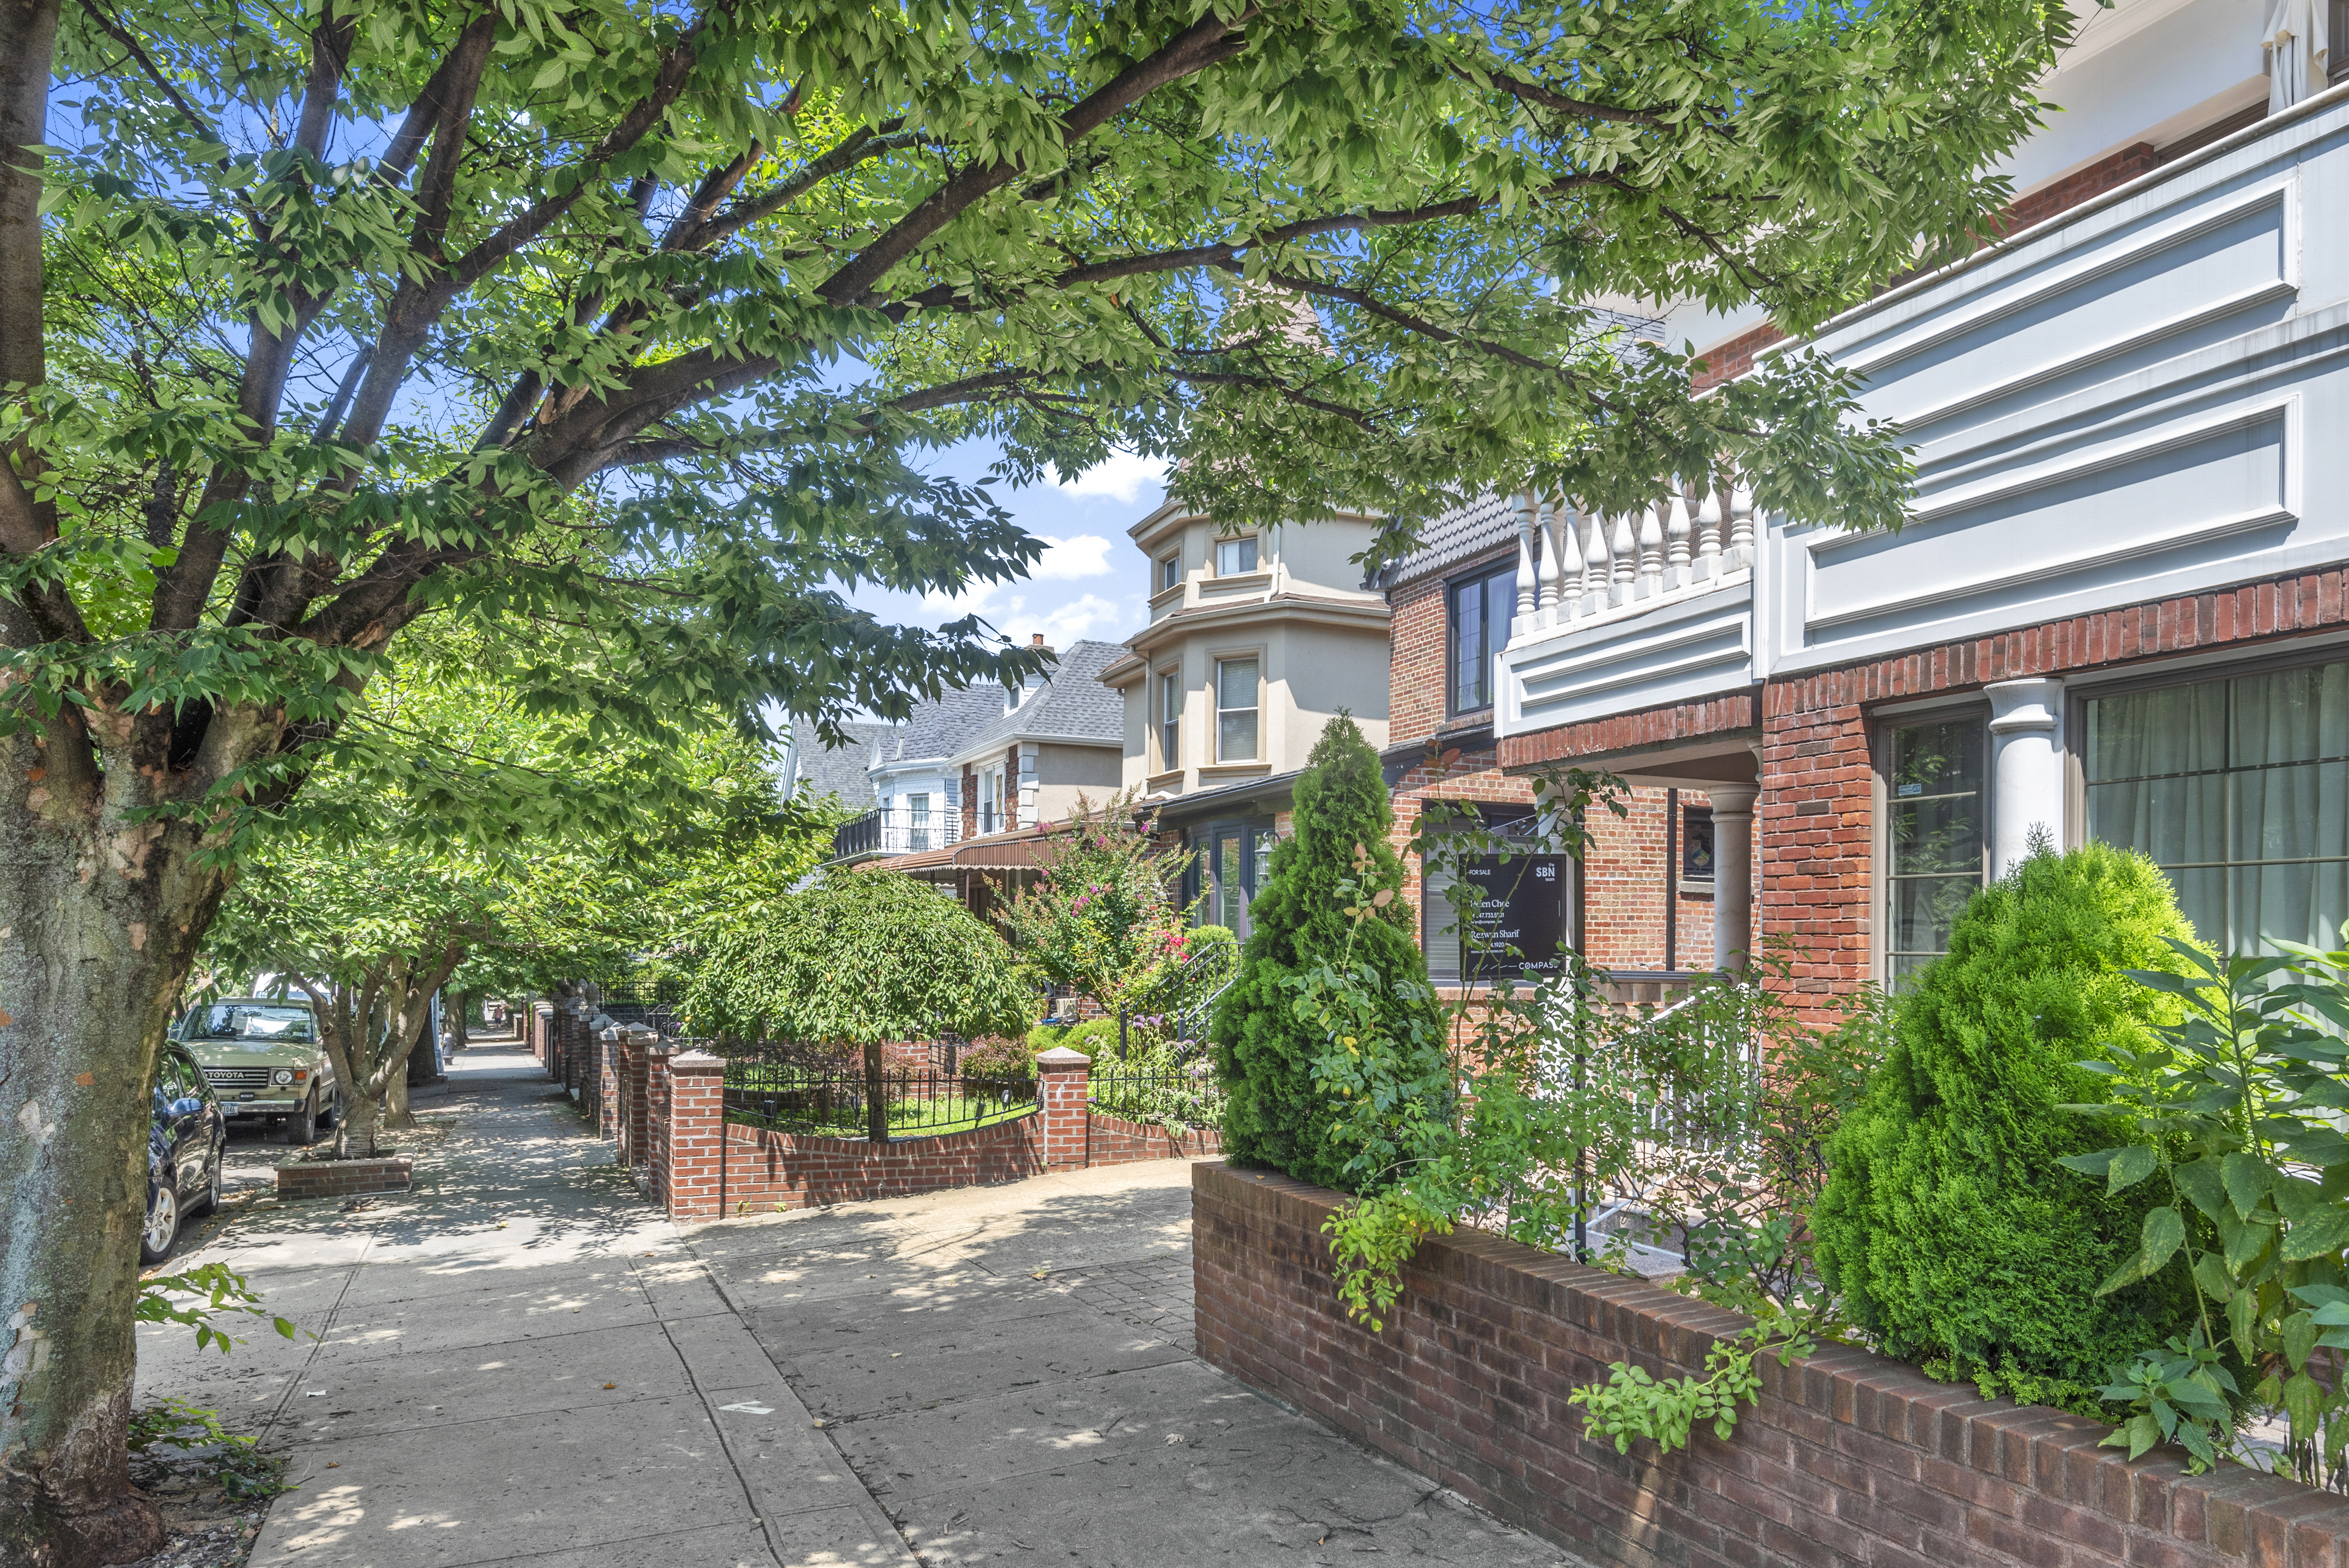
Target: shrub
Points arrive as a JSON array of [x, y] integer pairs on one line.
[[1953, 1233], [1099, 919], [999, 1056], [862, 956], [1265, 1052]]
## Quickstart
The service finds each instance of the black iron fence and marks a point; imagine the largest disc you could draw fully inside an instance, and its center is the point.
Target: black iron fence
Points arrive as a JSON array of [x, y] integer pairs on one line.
[[1176, 1095], [646, 1004], [875, 1094]]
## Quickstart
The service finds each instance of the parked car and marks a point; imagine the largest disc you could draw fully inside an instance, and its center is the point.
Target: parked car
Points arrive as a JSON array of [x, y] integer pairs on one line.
[[265, 1058], [185, 1143]]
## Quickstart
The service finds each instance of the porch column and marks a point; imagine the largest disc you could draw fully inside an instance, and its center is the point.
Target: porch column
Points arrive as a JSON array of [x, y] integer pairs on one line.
[[2026, 768], [1733, 873]]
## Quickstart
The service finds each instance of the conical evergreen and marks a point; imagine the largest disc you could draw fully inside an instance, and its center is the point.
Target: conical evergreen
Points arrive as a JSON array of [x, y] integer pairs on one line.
[[1948, 1225], [1273, 1115]]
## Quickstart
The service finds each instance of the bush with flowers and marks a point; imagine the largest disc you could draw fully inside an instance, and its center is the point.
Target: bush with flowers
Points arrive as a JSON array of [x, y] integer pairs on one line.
[[1102, 920]]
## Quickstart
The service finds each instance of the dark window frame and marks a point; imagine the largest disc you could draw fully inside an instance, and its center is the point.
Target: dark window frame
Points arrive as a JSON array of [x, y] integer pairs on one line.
[[1883, 728], [1480, 581]]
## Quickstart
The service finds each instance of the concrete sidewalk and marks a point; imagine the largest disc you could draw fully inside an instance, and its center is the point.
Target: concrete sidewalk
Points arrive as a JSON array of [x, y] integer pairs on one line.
[[517, 1362], [521, 1363]]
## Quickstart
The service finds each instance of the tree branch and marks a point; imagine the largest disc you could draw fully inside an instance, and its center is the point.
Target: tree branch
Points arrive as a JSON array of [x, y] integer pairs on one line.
[[1208, 42]]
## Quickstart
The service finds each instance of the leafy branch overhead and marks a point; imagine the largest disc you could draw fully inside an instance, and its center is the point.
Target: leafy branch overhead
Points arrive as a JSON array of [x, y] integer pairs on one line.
[[634, 322]]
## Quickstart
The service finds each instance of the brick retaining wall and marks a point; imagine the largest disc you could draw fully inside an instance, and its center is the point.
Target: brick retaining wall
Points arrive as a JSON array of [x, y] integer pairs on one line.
[[342, 1178], [669, 1119], [1849, 1459]]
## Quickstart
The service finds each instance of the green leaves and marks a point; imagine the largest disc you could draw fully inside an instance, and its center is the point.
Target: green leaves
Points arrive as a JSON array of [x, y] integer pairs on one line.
[[2163, 1233]]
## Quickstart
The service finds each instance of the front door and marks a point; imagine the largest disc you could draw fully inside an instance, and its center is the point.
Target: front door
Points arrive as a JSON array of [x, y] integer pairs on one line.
[[1233, 856]]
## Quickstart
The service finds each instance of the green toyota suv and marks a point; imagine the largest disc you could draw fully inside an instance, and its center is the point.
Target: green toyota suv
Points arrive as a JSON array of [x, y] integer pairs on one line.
[[263, 1059]]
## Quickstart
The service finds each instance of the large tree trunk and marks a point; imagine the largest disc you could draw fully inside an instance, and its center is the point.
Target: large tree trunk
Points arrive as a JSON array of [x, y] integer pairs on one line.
[[100, 922]]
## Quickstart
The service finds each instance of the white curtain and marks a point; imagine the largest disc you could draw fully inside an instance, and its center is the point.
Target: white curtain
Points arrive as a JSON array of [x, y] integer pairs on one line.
[[2299, 53], [2240, 790]]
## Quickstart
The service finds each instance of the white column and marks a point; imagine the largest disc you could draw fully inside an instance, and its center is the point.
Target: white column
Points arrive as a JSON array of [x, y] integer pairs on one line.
[[1733, 873], [2026, 768], [1526, 584]]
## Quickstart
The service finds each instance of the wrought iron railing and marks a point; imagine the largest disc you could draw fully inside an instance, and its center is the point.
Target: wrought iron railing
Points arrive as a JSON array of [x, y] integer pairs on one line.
[[1182, 1003], [1178, 1098], [897, 830], [791, 1088], [646, 1004]]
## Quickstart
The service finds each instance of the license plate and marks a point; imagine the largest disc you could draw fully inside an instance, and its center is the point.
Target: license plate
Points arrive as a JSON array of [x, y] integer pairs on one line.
[[231, 1108]]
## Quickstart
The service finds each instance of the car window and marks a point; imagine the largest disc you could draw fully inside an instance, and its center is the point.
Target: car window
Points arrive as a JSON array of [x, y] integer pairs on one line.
[[193, 1075], [171, 1081], [257, 1022]]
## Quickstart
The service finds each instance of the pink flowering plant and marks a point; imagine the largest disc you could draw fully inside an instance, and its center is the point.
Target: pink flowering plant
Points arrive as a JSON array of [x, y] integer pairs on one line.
[[1102, 920]]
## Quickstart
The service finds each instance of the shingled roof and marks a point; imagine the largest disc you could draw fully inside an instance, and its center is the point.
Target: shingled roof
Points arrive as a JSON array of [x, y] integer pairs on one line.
[[840, 771], [1463, 533], [1072, 704]]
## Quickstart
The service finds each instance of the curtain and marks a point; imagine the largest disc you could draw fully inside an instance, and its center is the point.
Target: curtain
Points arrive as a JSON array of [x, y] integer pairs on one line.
[[2240, 790]]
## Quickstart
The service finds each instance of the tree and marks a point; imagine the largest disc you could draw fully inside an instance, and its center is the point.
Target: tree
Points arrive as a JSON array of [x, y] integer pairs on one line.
[[1099, 919], [1265, 1050], [861, 958], [623, 321], [1948, 1221]]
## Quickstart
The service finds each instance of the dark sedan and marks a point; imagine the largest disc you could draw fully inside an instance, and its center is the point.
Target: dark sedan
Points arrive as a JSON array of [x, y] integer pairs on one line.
[[184, 1147]]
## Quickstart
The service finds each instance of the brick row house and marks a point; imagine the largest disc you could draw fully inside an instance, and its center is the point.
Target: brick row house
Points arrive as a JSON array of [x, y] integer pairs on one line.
[[2116, 611]]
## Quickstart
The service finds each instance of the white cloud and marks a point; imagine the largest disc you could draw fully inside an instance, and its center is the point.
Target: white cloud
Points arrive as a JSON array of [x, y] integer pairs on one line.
[[1086, 555], [1122, 476], [1079, 618]]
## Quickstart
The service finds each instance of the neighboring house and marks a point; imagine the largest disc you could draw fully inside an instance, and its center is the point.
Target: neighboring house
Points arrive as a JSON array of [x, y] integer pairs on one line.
[[817, 770], [1257, 639], [2119, 609], [965, 777]]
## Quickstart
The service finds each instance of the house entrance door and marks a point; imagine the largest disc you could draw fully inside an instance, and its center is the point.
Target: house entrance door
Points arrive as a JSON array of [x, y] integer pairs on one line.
[[1232, 857]]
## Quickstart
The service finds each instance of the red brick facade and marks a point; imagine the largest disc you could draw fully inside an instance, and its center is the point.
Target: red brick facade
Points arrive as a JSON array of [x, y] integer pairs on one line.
[[342, 1178], [1570, 743], [1846, 1460], [1815, 825]]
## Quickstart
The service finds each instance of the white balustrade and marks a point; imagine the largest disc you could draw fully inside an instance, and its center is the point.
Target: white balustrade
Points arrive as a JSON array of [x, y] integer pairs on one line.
[[1622, 549], [1652, 551], [1741, 526], [1526, 553], [1545, 569], [1676, 540], [1708, 536], [1566, 531]]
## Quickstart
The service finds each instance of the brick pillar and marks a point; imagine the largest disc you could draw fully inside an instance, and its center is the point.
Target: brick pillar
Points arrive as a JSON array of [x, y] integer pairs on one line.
[[692, 1184], [607, 1084], [541, 1017], [1062, 1075], [655, 1165]]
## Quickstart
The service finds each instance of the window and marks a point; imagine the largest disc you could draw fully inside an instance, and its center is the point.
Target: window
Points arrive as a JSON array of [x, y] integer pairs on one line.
[[2239, 790], [1236, 710], [1169, 718], [1170, 572], [917, 822], [1234, 557], [1934, 849], [1696, 848], [1479, 613], [990, 800]]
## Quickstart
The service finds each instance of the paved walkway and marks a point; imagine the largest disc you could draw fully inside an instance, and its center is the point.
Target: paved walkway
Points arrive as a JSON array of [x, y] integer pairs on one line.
[[520, 1362]]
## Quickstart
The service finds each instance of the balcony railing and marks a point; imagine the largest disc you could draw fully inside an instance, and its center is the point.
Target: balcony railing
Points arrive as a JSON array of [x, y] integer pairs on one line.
[[897, 831], [1589, 565]]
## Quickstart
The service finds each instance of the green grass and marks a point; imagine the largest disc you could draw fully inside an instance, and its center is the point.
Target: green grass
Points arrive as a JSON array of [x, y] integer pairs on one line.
[[952, 1112]]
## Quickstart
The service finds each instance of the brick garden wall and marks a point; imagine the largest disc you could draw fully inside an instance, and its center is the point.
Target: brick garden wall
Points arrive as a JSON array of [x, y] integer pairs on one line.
[[1848, 1461]]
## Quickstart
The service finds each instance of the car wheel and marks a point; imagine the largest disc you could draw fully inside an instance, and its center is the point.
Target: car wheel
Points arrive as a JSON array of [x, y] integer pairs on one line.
[[163, 1226], [330, 1115], [213, 1188], [303, 1128]]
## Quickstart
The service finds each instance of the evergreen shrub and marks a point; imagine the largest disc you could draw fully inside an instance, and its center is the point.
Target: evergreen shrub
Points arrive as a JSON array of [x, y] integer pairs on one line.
[[1953, 1234], [1273, 1115]]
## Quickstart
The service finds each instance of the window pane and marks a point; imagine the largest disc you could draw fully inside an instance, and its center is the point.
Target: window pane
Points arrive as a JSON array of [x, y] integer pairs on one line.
[[2240, 790], [1500, 609], [1934, 837], [1231, 893], [1235, 556], [1235, 737], [1236, 682], [1467, 647]]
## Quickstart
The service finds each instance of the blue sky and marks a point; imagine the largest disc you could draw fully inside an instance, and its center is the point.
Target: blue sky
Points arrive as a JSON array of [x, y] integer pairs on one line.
[[1091, 582]]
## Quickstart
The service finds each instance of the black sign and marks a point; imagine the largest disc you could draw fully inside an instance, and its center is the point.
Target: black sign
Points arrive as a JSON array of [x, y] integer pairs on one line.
[[1519, 903]]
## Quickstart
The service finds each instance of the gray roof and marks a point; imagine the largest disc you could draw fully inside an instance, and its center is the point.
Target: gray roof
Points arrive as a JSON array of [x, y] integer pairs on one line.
[[944, 725], [828, 770], [1072, 704], [1463, 533]]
